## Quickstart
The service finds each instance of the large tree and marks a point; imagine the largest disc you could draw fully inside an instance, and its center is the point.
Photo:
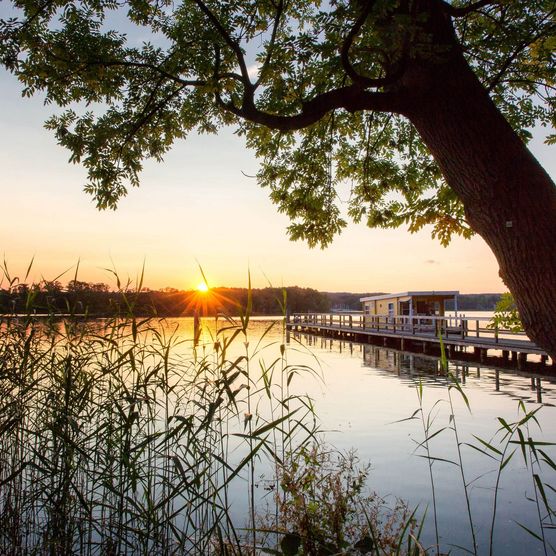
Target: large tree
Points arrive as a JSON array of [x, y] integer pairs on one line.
[[423, 106]]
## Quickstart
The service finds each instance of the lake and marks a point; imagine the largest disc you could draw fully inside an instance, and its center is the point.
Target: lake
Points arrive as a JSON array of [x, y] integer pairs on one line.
[[363, 399], [107, 433]]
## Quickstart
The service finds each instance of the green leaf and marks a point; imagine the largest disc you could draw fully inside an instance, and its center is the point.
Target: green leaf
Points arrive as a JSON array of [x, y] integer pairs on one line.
[[364, 545], [488, 445], [522, 444], [531, 532], [507, 460], [540, 487], [273, 424], [290, 544]]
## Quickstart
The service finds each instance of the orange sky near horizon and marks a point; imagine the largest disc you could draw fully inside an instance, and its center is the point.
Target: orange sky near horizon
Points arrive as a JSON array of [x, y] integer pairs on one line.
[[200, 207]]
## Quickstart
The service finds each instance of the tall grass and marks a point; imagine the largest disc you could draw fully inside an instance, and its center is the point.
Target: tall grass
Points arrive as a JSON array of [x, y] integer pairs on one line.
[[120, 436], [511, 438]]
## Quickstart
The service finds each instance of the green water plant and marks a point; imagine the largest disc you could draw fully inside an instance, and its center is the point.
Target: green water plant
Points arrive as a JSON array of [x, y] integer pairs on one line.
[[453, 383], [326, 508], [128, 435], [509, 438]]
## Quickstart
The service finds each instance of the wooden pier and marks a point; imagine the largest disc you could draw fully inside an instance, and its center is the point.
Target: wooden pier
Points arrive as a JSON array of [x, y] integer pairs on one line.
[[464, 338]]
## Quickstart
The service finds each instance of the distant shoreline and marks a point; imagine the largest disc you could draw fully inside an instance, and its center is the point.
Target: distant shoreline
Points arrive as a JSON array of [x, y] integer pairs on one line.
[[98, 301]]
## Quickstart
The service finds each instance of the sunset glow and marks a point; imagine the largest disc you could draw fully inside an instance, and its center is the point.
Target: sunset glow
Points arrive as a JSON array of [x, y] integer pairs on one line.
[[203, 287], [359, 260]]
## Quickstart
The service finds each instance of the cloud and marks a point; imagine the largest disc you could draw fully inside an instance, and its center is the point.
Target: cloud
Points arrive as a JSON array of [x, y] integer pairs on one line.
[[431, 261], [253, 70]]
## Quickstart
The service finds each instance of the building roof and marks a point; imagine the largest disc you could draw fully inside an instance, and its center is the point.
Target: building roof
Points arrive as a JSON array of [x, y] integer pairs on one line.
[[411, 294]]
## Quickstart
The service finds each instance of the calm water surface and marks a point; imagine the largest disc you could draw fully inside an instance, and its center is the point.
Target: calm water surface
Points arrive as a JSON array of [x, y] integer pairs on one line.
[[366, 393]]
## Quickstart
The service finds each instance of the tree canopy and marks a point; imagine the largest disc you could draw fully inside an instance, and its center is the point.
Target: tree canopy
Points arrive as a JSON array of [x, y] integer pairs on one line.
[[80, 298], [317, 89], [421, 107]]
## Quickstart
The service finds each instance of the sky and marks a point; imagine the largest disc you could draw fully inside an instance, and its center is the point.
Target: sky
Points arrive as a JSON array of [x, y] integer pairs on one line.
[[200, 207]]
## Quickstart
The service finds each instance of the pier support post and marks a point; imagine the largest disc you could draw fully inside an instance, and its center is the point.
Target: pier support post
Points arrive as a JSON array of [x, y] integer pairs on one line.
[[402, 344], [505, 355], [521, 361], [513, 358], [539, 390]]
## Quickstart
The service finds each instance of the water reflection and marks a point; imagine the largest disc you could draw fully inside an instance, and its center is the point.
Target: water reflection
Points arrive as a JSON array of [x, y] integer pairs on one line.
[[411, 368]]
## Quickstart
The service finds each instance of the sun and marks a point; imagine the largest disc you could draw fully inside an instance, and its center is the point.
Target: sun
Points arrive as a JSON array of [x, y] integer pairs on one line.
[[203, 287]]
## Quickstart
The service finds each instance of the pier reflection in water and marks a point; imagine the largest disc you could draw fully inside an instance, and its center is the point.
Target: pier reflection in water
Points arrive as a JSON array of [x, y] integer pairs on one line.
[[414, 367]]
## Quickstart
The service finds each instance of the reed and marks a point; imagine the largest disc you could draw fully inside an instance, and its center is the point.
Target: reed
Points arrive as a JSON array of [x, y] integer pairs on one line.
[[510, 438], [116, 436], [119, 436], [453, 384]]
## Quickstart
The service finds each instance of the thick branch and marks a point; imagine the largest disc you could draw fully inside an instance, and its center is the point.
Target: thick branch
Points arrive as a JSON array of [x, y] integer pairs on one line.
[[229, 41], [351, 98], [362, 80], [466, 10], [356, 77]]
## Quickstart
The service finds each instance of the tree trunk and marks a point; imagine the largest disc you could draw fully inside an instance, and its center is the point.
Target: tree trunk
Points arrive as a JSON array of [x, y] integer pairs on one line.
[[509, 199]]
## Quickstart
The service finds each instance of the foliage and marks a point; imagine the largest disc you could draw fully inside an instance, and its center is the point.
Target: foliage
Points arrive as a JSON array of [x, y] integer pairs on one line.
[[506, 315], [324, 508], [99, 300], [313, 86]]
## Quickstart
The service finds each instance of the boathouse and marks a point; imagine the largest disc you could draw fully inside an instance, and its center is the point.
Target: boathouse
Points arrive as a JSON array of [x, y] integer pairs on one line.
[[424, 303]]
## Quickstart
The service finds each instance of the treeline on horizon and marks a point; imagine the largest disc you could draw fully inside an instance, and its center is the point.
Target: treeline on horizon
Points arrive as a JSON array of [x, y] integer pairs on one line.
[[98, 299]]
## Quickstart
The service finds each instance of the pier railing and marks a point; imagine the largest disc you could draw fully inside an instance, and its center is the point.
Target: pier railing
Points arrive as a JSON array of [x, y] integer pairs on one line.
[[449, 327]]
